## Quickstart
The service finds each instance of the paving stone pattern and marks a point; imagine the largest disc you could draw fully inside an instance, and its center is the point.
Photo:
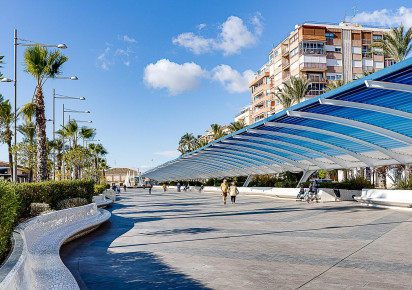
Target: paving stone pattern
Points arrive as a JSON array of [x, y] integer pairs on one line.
[[192, 241]]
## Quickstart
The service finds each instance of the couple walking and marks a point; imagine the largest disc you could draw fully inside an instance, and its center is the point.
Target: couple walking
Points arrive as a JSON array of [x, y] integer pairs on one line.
[[232, 189]]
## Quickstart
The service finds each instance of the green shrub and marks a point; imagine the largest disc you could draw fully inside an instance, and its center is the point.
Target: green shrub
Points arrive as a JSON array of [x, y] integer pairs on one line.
[[38, 208], [9, 208], [100, 188], [71, 202], [404, 183], [52, 192]]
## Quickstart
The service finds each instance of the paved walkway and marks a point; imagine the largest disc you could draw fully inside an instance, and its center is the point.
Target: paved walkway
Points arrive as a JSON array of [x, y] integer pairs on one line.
[[191, 241]]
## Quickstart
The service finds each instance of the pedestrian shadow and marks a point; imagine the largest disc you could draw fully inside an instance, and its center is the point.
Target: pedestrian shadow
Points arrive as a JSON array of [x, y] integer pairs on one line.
[[191, 231], [94, 266]]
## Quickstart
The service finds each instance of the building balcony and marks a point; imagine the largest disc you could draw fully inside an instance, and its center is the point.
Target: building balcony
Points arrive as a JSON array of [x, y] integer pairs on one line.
[[259, 78], [313, 66], [312, 93], [312, 51], [317, 79], [285, 77], [367, 68], [366, 41], [285, 51], [286, 64], [389, 62]]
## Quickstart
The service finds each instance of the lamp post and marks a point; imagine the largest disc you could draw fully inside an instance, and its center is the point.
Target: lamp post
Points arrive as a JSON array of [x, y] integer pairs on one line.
[[58, 96], [61, 46]]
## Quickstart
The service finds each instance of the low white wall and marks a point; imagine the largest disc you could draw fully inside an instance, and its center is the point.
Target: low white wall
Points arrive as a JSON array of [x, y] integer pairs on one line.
[[38, 241], [388, 197], [326, 194]]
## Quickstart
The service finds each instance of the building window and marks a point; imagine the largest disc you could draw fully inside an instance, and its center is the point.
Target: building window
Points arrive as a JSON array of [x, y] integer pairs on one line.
[[294, 38], [366, 51], [293, 52], [334, 77], [312, 47], [329, 35], [316, 89], [377, 37], [268, 103], [278, 64], [338, 49], [267, 92], [271, 58]]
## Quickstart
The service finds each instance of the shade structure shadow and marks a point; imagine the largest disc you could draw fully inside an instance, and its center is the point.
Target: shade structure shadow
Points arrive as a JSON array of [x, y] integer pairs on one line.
[[95, 267]]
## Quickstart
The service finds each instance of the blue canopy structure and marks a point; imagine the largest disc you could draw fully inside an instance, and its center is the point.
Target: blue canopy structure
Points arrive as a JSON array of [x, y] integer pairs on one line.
[[365, 123]]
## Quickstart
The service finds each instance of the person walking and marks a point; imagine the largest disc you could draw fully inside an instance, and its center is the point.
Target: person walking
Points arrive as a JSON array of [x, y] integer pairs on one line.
[[315, 189], [178, 186], [224, 187], [118, 189], [233, 191], [150, 188], [124, 187], [164, 187]]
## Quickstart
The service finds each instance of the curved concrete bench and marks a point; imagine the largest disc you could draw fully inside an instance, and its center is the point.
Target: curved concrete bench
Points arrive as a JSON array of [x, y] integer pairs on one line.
[[386, 198], [35, 262], [101, 200]]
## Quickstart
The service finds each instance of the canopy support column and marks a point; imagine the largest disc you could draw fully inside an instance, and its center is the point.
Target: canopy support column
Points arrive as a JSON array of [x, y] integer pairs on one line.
[[248, 179], [305, 176]]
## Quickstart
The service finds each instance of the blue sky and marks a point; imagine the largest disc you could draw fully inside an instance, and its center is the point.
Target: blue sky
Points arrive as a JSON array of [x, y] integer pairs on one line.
[[153, 70]]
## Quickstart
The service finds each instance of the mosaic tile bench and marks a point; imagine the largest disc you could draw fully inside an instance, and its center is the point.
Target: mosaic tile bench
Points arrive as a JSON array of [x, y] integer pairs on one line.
[[35, 262]]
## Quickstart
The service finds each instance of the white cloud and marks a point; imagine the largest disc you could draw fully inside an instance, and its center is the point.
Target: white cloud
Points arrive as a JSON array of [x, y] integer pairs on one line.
[[201, 26], [234, 35], [124, 55], [129, 39], [386, 17], [176, 78], [196, 44], [169, 153], [180, 78], [103, 60], [231, 79]]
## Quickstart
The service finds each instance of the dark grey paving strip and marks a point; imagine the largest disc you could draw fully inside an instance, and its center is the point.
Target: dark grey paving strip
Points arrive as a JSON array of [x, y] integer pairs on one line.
[[377, 266]]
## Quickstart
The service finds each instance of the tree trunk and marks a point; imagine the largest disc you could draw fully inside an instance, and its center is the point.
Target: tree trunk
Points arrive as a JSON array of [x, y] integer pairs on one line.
[[41, 136]]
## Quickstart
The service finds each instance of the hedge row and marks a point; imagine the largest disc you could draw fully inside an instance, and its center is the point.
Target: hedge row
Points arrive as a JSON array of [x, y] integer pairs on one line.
[[100, 188], [51, 192], [9, 207], [15, 200]]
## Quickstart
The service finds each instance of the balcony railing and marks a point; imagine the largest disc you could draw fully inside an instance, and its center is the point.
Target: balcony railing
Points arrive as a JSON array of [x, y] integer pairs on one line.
[[367, 68], [315, 92], [317, 79], [366, 41], [285, 77], [285, 51], [285, 64], [312, 65], [313, 51], [389, 62]]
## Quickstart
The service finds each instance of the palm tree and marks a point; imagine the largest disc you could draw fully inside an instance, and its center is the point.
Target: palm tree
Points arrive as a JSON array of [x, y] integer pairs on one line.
[[217, 131], [298, 88], [42, 64], [396, 43], [333, 85], [200, 143], [236, 126], [71, 131], [186, 143], [284, 97], [57, 145], [6, 122], [98, 151], [86, 133]]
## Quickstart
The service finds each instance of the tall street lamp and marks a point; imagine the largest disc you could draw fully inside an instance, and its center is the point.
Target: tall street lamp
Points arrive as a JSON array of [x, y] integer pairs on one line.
[[58, 96], [22, 43]]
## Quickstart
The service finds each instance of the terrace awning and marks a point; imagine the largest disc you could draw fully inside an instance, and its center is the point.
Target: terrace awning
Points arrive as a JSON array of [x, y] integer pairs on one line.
[[366, 123]]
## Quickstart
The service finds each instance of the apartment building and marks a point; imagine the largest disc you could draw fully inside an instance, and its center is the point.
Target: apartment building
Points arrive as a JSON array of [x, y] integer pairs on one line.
[[244, 115], [319, 52]]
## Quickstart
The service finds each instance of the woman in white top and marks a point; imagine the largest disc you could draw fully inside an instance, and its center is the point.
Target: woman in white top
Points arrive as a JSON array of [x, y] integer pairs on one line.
[[233, 191]]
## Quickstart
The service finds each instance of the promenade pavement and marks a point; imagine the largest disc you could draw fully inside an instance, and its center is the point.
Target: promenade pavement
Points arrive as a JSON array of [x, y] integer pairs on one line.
[[192, 241]]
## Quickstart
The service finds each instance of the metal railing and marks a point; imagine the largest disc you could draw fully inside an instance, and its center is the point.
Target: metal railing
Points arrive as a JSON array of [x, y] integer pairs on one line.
[[313, 65]]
